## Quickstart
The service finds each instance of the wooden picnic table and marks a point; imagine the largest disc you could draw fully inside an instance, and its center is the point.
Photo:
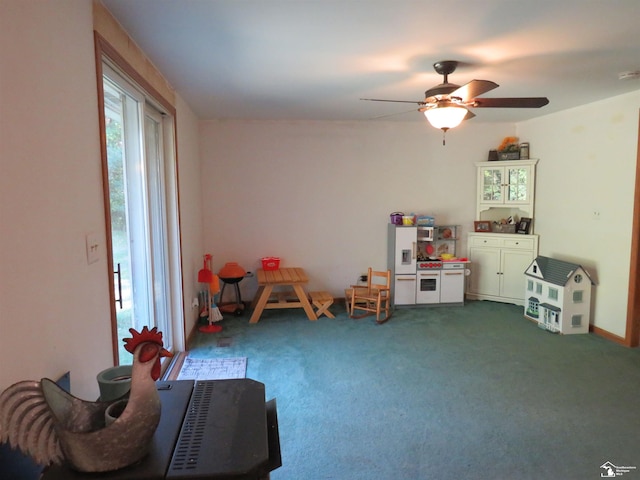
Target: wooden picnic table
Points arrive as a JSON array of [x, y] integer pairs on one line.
[[293, 277]]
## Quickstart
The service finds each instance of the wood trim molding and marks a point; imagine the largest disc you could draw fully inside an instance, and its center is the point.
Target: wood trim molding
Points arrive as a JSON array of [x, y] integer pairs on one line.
[[632, 334], [112, 34], [608, 335], [106, 202]]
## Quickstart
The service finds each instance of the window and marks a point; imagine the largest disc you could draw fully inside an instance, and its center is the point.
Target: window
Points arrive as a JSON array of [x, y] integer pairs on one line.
[[553, 293], [539, 288], [530, 285], [576, 321], [577, 296], [142, 217]]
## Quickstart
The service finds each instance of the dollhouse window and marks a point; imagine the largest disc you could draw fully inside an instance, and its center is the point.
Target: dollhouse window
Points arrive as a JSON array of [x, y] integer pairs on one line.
[[576, 321], [530, 285], [539, 288], [553, 293], [577, 296], [577, 278]]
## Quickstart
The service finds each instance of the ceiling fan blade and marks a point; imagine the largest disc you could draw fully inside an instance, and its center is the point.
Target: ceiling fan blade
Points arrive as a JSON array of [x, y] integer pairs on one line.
[[420, 102], [469, 115], [474, 89], [519, 102]]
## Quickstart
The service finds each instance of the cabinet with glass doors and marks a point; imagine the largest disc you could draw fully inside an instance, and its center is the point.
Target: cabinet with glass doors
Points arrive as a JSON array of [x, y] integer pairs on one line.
[[505, 189]]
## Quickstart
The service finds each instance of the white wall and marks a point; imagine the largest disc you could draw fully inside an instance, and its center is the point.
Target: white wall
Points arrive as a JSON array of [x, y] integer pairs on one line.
[[54, 307], [319, 194], [587, 164]]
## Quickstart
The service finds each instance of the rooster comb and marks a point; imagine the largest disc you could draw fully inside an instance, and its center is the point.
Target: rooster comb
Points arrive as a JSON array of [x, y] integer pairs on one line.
[[146, 335]]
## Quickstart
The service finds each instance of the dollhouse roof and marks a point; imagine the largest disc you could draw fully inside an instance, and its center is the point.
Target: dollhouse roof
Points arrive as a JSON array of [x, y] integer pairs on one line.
[[548, 306], [557, 272]]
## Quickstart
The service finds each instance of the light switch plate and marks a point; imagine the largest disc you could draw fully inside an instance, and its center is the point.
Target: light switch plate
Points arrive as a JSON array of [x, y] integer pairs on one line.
[[93, 248]]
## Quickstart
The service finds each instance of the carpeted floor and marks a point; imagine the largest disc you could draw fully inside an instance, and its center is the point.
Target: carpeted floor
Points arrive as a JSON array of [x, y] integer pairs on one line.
[[472, 392]]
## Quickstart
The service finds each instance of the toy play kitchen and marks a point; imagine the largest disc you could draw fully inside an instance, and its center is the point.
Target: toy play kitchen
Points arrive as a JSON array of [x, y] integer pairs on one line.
[[423, 262]]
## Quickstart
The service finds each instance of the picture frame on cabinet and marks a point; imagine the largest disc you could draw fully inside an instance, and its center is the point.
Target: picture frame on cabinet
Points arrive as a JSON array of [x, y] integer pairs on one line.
[[482, 226], [524, 225]]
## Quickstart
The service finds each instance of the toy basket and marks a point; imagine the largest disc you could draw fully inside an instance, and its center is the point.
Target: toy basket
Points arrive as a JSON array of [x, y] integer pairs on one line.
[[270, 263], [396, 218], [501, 228], [425, 221]]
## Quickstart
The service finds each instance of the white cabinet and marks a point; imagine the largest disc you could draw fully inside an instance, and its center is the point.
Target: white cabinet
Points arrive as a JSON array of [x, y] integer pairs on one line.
[[452, 285], [404, 290], [498, 262], [505, 189]]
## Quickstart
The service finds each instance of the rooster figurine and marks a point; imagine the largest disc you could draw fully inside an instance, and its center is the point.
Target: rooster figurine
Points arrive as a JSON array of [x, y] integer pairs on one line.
[[53, 426]]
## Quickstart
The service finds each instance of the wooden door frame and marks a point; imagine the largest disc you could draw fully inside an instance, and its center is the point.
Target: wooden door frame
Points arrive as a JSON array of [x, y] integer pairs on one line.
[[103, 49], [632, 332]]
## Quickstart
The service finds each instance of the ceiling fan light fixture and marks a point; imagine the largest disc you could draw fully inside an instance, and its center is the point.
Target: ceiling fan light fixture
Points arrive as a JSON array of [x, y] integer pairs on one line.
[[445, 116]]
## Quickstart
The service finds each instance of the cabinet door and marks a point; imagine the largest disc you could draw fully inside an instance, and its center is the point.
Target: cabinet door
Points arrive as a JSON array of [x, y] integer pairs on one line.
[[505, 185], [485, 271], [452, 286], [405, 251], [404, 290], [428, 286], [514, 263], [518, 181], [491, 184]]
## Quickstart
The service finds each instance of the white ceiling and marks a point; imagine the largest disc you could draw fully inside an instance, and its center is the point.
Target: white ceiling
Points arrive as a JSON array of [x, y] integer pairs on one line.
[[314, 59]]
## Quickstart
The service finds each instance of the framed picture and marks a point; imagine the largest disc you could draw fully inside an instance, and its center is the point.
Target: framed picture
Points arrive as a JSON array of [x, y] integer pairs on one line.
[[482, 226], [524, 225]]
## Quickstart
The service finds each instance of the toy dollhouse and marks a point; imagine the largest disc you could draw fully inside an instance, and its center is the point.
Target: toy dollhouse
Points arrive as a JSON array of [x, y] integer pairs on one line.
[[558, 295]]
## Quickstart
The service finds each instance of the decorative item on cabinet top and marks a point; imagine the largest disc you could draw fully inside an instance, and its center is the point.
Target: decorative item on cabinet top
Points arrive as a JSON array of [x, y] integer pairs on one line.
[[510, 149], [505, 225], [399, 218], [508, 155], [524, 225], [482, 226]]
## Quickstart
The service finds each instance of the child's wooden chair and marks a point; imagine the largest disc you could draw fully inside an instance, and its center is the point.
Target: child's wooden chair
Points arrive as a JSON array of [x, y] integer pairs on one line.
[[375, 297]]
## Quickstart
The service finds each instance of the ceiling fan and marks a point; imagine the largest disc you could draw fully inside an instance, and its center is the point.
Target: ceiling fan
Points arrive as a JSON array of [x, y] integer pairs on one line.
[[446, 105]]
